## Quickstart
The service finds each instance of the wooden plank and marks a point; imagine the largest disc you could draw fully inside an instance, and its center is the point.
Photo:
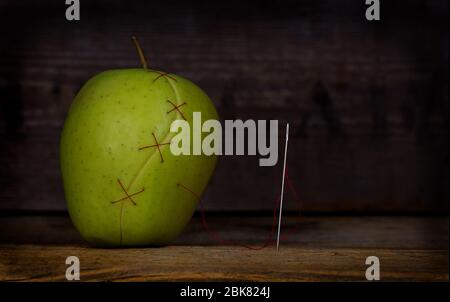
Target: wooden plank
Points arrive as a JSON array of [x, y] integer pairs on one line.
[[320, 249], [197, 263], [308, 232]]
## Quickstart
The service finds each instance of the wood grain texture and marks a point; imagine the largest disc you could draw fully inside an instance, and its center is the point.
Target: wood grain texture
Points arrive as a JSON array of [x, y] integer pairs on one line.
[[310, 232], [368, 103], [197, 263], [321, 249]]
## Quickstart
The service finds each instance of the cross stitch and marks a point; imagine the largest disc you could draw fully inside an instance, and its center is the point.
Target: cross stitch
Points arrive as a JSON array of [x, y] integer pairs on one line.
[[157, 145], [163, 74], [177, 108], [127, 196]]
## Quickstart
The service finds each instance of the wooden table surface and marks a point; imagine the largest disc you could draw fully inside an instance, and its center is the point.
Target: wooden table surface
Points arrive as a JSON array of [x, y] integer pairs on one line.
[[321, 249]]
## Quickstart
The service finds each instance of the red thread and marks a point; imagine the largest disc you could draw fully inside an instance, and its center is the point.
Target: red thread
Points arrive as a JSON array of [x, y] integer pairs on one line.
[[163, 74], [269, 239], [157, 145], [177, 109], [128, 196]]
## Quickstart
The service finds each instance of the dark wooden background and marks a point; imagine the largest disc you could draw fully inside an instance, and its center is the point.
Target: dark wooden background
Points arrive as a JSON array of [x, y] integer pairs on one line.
[[368, 101]]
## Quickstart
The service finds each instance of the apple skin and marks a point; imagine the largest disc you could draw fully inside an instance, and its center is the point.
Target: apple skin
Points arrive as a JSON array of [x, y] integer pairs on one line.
[[111, 118]]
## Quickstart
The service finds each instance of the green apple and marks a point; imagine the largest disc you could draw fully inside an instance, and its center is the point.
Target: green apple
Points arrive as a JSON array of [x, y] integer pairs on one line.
[[121, 180]]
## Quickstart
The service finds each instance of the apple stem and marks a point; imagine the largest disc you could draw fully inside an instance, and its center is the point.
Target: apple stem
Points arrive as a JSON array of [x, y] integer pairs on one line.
[[140, 52]]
